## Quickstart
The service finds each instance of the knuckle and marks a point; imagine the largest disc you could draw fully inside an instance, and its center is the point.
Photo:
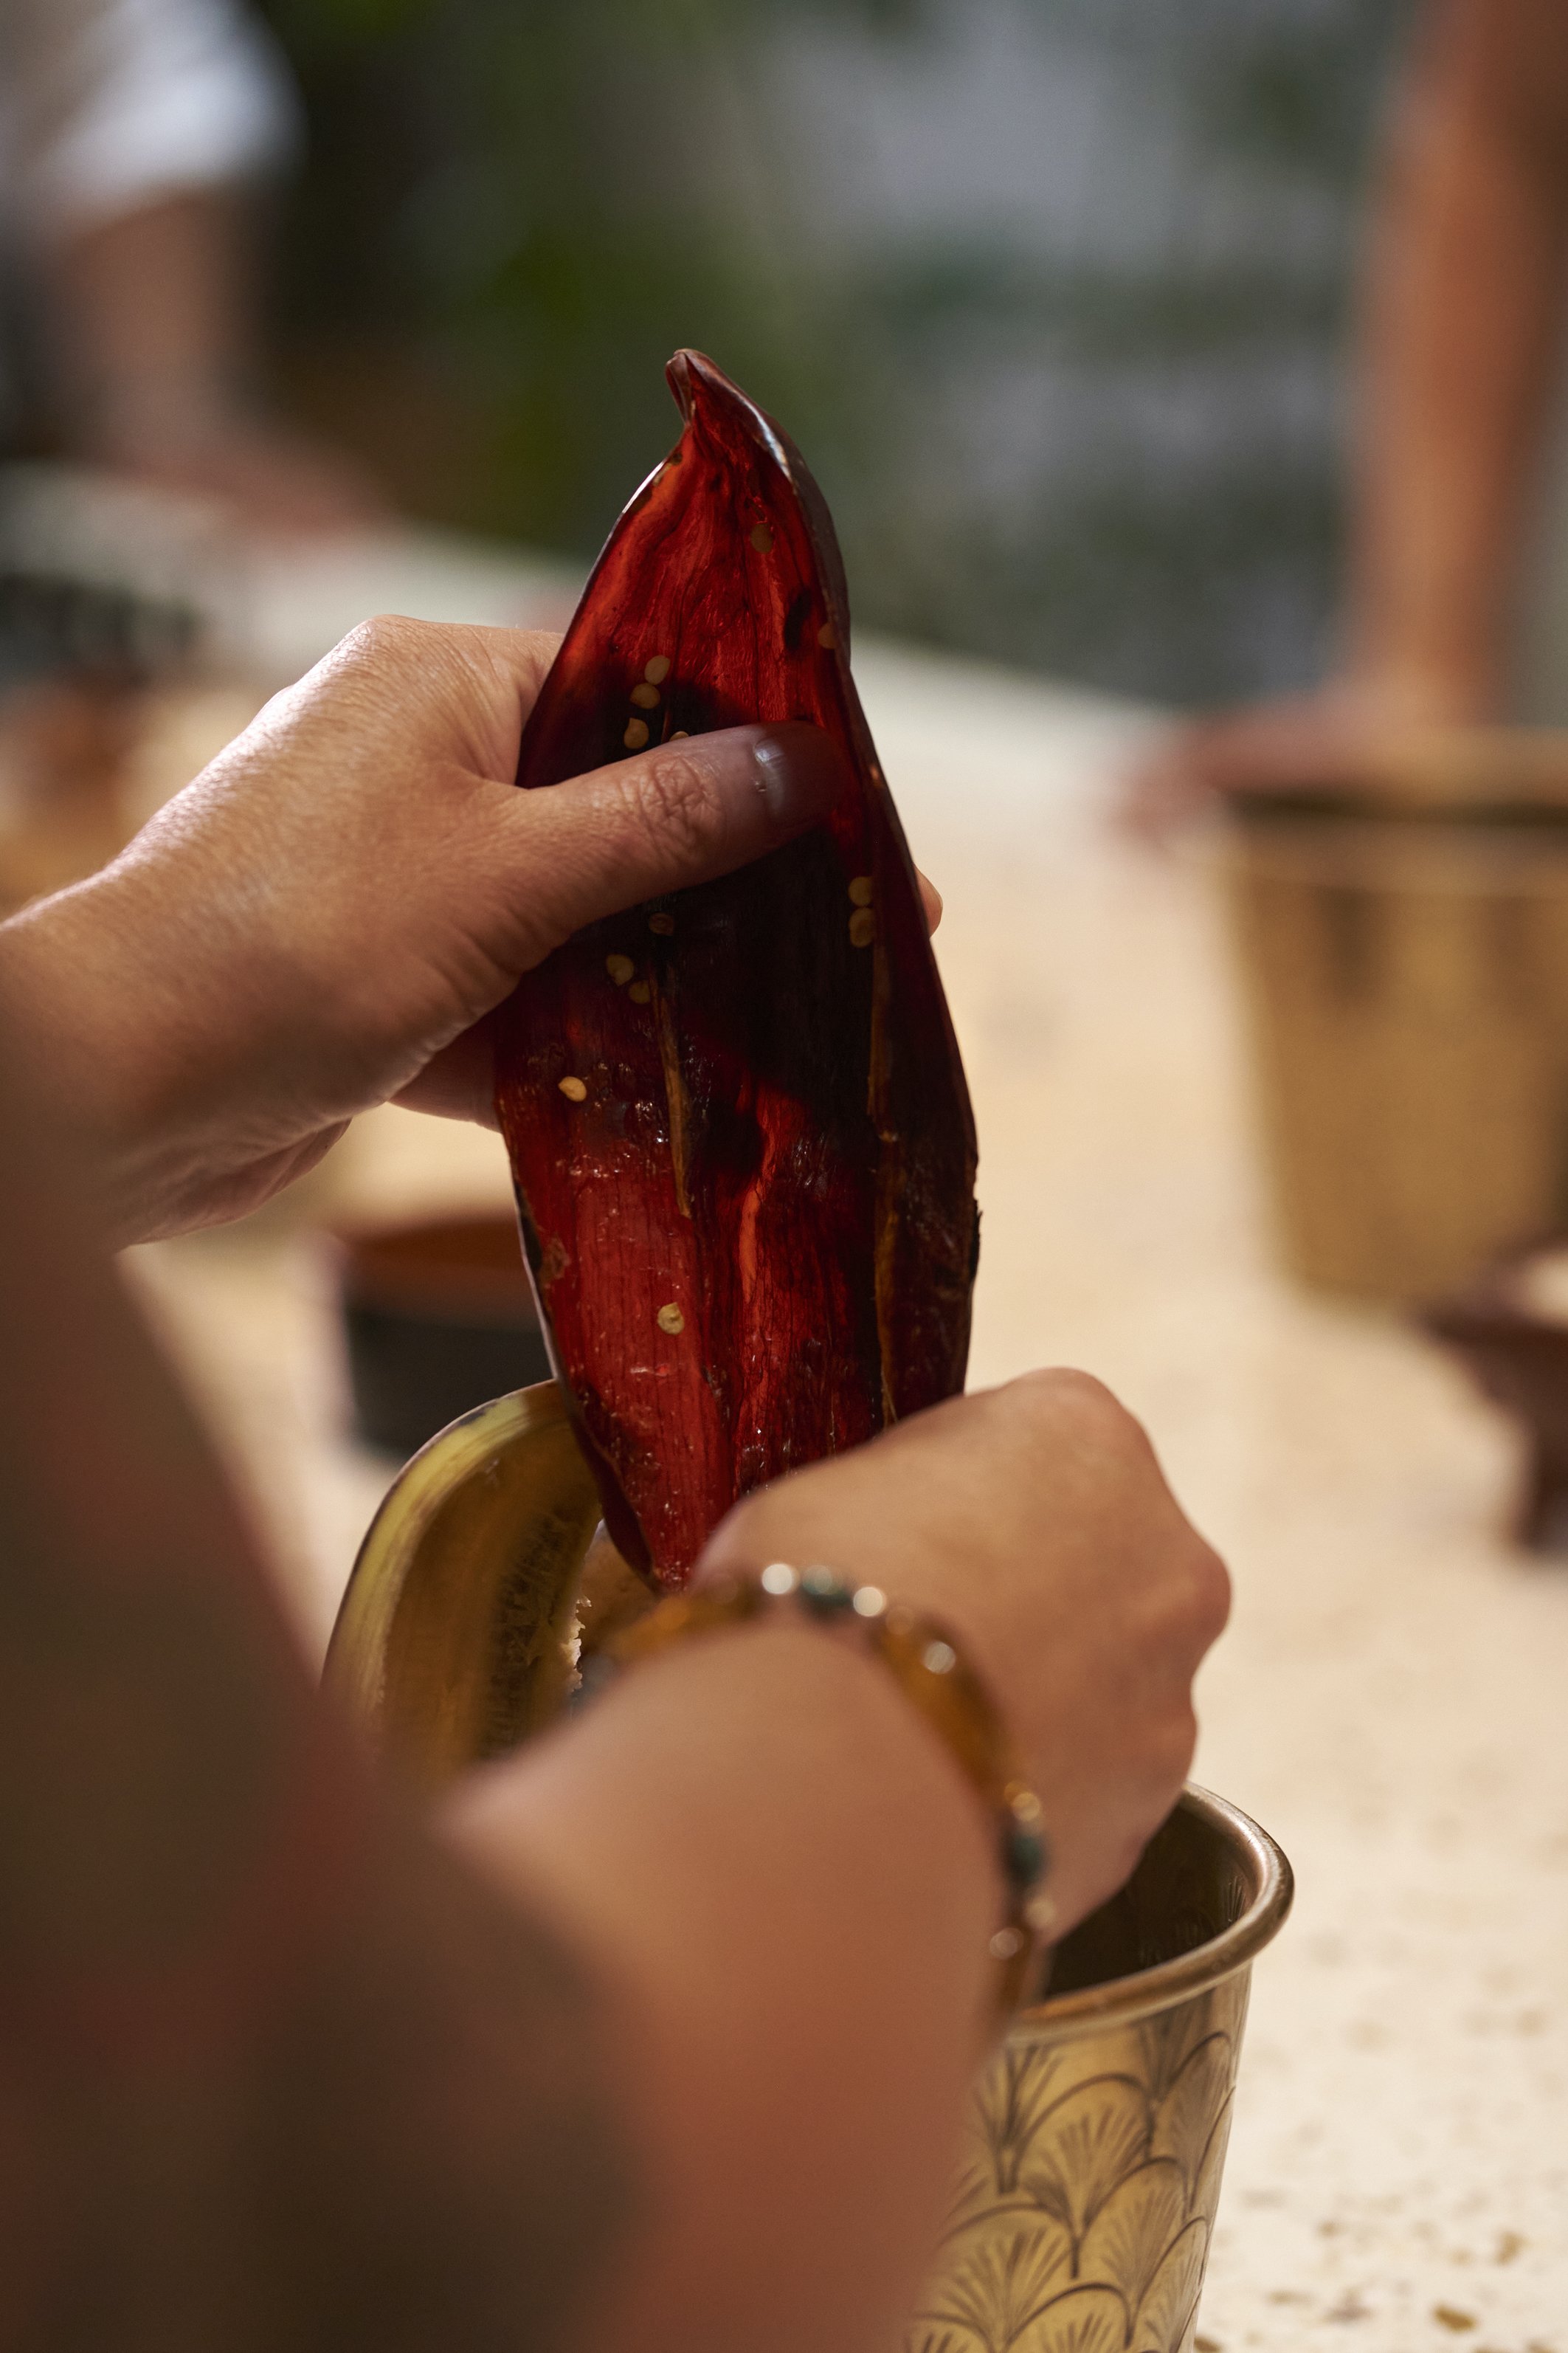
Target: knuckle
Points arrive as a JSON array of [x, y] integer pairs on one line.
[[1174, 1746], [1188, 1602], [387, 635], [1209, 1591], [1075, 1404], [383, 656]]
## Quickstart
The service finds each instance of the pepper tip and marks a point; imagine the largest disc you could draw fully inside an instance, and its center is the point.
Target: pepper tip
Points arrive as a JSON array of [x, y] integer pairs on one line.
[[682, 372]]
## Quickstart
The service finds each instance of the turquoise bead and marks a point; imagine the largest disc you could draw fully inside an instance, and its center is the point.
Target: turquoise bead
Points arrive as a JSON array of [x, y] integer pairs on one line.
[[825, 1594], [1022, 1856]]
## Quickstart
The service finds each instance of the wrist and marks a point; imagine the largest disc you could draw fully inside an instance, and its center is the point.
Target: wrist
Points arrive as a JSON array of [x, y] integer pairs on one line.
[[922, 1658], [79, 1007], [68, 1021], [769, 1795], [760, 1532]]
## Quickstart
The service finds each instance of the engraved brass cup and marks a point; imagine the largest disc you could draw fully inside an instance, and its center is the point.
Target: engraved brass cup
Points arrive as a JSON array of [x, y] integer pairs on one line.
[[1086, 2196]]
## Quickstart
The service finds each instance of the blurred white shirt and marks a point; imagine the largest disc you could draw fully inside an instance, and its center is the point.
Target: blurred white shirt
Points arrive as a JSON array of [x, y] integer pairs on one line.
[[106, 105]]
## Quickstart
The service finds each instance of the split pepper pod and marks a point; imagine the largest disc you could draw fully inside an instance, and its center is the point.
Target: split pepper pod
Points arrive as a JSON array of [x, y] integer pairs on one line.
[[738, 1124]]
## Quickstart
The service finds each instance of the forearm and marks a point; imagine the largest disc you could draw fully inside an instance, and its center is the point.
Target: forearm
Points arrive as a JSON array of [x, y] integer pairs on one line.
[[396, 2129], [155, 313], [156, 325], [285, 2073], [1463, 305], [793, 1888]]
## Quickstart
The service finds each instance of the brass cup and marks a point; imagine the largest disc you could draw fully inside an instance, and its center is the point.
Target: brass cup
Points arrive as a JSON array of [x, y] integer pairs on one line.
[[1095, 2139], [1405, 981], [1091, 2172]]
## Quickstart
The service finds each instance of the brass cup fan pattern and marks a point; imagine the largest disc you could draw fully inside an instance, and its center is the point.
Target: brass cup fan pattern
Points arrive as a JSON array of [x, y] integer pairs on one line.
[[1095, 2139]]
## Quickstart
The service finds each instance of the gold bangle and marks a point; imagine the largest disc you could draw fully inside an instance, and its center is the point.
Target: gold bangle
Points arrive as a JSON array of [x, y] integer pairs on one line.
[[925, 1660]]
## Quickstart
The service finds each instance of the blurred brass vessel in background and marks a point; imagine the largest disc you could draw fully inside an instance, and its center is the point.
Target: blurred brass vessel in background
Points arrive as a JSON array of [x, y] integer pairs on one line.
[[1403, 938], [1091, 2172]]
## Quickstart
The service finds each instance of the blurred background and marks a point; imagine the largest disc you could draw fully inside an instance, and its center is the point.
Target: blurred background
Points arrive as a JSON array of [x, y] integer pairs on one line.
[[1185, 379], [1053, 291]]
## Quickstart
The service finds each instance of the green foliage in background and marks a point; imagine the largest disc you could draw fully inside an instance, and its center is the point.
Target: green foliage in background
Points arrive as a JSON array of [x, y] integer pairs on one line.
[[544, 198]]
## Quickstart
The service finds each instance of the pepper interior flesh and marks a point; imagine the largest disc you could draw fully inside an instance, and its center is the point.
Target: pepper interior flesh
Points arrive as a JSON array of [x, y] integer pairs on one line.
[[737, 1119]]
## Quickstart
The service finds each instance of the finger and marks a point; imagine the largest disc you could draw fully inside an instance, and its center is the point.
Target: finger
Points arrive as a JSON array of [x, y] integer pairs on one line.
[[457, 1082], [678, 815]]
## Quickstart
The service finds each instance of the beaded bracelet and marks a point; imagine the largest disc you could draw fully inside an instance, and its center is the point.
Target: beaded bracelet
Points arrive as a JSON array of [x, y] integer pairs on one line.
[[928, 1668]]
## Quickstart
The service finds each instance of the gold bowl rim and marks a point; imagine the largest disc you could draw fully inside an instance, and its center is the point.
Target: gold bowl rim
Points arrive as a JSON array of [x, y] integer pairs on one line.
[[1121, 2001]]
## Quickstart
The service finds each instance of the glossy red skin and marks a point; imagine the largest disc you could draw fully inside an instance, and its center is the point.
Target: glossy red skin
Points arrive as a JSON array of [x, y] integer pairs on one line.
[[778, 1144]]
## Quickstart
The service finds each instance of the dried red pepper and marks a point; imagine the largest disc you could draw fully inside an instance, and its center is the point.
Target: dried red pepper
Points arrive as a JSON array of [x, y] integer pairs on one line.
[[737, 1118]]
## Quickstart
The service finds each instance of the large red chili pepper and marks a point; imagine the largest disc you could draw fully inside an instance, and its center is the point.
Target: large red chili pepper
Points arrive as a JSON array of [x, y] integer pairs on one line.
[[738, 1124]]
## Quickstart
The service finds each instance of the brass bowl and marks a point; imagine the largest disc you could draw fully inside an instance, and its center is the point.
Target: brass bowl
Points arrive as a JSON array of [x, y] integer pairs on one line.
[[482, 1580], [1090, 2171]]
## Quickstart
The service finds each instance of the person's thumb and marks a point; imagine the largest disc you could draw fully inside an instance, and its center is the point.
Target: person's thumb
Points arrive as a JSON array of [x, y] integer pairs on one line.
[[680, 813]]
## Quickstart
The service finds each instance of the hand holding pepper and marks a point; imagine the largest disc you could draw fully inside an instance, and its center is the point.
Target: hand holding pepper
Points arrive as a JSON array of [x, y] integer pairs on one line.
[[319, 923]]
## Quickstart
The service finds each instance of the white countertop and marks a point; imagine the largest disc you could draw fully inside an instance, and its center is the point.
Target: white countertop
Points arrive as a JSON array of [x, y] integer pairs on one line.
[[1390, 1698]]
